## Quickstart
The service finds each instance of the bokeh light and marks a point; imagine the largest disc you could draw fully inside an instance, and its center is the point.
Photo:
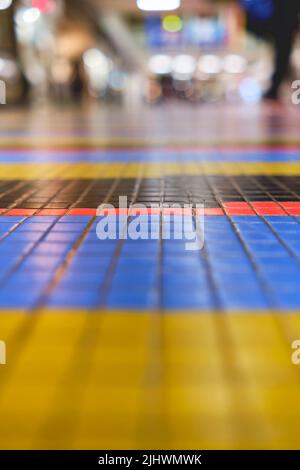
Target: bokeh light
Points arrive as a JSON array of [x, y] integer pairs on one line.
[[210, 63], [160, 64], [234, 63], [250, 90], [4, 4], [172, 23], [183, 66]]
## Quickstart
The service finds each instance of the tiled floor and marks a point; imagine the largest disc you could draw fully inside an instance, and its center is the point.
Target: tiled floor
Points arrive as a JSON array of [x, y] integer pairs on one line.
[[123, 343]]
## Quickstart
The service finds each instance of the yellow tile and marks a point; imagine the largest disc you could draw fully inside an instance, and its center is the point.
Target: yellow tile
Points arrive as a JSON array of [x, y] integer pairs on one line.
[[31, 171], [102, 379]]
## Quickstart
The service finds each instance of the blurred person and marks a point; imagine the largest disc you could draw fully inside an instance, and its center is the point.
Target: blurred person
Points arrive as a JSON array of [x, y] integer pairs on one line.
[[285, 25], [77, 82], [276, 20]]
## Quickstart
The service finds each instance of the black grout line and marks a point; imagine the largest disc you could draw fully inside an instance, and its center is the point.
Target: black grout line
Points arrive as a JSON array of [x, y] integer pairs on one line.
[[27, 253], [63, 266], [106, 285], [263, 282], [58, 273], [175, 191], [256, 268], [277, 236]]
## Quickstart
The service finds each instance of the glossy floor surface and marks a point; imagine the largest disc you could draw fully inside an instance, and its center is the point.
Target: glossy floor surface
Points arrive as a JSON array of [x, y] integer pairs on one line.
[[166, 326]]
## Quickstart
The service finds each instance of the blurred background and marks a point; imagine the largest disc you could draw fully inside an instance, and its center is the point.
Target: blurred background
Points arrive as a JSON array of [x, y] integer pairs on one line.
[[129, 52], [158, 100]]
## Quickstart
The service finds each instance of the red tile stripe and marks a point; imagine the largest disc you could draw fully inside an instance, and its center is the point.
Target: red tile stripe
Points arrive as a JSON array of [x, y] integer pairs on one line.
[[269, 208], [238, 208], [265, 208]]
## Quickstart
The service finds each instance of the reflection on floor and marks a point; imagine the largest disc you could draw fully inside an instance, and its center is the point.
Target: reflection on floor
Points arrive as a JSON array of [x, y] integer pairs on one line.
[[124, 343]]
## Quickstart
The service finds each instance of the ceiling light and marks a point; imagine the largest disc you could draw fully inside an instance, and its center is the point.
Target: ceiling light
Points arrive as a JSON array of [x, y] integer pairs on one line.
[[4, 4], [158, 5]]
